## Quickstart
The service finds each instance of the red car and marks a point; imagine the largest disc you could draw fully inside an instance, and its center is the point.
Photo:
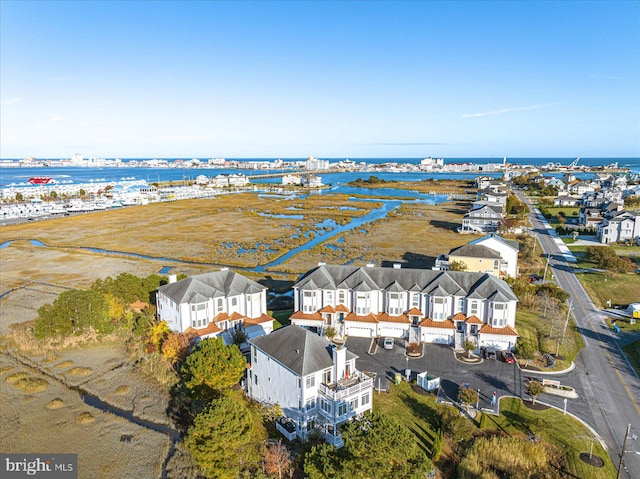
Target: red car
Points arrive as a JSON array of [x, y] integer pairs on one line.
[[508, 357]]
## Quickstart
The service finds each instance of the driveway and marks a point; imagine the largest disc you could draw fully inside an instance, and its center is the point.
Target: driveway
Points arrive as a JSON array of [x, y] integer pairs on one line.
[[439, 361]]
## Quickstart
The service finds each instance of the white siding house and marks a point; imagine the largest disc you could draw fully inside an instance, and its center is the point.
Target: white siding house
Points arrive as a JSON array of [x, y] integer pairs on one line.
[[418, 305], [214, 304], [315, 383]]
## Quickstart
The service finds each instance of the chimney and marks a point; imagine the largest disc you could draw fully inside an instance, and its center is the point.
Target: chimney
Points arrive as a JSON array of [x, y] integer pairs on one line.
[[339, 362], [371, 265], [173, 278], [224, 269], [322, 263], [397, 266]]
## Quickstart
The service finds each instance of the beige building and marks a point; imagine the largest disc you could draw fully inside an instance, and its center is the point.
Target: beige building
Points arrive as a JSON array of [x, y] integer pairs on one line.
[[477, 259]]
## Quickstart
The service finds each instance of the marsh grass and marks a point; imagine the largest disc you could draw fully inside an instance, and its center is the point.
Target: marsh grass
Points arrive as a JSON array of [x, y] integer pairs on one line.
[[122, 390], [56, 403], [13, 378], [85, 418], [63, 365], [31, 385], [79, 371], [5, 369]]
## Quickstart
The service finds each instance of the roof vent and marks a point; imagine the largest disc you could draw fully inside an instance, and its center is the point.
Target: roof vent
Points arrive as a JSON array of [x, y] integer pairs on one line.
[[397, 266], [173, 278], [371, 265], [297, 351]]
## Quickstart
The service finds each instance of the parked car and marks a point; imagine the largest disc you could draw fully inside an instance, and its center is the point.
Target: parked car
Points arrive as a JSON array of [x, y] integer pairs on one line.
[[388, 343], [489, 353], [508, 357]]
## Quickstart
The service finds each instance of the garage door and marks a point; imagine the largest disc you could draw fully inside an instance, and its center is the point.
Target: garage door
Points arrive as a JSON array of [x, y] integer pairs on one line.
[[392, 332], [359, 332], [437, 338]]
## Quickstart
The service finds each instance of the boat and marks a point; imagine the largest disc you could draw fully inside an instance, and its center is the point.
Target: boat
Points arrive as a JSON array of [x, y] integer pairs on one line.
[[41, 180]]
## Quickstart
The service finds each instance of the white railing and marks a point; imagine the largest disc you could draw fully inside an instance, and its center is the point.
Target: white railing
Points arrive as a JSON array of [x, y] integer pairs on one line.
[[339, 392]]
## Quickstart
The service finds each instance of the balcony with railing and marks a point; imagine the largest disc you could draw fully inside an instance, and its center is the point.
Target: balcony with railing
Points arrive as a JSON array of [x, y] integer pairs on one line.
[[345, 388]]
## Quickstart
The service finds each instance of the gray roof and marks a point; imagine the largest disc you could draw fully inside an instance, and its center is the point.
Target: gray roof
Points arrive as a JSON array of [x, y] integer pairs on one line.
[[476, 285], [218, 284], [298, 349], [474, 251]]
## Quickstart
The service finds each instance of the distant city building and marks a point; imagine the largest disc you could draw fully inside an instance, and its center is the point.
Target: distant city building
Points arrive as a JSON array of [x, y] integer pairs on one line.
[[314, 164]]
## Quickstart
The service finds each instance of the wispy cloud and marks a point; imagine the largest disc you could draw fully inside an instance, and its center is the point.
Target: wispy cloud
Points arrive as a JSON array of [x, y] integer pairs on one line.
[[11, 101], [417, 143], [504, 110]]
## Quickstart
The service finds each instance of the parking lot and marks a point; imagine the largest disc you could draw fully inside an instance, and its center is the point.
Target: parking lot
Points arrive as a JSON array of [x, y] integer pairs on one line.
[[439, 361]]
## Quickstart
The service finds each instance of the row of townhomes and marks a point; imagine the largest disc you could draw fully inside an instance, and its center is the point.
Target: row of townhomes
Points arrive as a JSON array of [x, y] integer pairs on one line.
[[602, 204], [486, 213], [315, 382], [418, 305]]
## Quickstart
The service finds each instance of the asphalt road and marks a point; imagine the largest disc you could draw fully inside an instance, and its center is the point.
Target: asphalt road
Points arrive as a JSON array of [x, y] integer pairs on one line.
[[608, 385]]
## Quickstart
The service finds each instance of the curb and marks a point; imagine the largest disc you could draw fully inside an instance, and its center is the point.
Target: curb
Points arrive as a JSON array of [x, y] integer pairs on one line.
[[548, 373]]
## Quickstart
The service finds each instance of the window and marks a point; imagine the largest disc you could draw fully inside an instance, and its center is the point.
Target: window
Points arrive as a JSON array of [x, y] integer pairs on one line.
[[219, 306], [255, 355], [395, 304], [460, 306], [308, 302], [496, 264], [353, 404], [438, 300], [310, 381], [365, 399], [299, 383], [415, 300], [234, 302], [311, 404], [329, 297], [342, 409], [255, 379], [325, 406], [341, 297], [326, 376], [474, 308], [498, 306], [362, 304]]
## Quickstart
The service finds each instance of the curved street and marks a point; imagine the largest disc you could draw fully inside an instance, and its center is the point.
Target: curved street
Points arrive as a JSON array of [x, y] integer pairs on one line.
[[609, 388]]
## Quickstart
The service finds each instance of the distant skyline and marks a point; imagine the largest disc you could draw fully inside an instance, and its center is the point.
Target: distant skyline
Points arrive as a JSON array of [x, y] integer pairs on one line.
[[326, 79]]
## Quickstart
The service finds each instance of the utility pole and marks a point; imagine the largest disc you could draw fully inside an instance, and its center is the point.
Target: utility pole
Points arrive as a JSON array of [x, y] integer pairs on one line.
[[564, 330], [544, 276], [624, 446]]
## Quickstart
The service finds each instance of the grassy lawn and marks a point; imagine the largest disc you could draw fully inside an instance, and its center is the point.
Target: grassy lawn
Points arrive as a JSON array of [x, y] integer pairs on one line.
[[569, 211], [620, 288], [281, 318], [536, 331], [624, 324], [418, 413], [552, 426], [633, 353]]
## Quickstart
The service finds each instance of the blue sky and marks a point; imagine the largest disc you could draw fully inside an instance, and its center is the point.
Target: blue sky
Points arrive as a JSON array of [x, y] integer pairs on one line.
[[328, 79]]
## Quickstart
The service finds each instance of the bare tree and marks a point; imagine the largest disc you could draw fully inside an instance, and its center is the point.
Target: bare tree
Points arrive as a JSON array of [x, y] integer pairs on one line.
[[277, 461]]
